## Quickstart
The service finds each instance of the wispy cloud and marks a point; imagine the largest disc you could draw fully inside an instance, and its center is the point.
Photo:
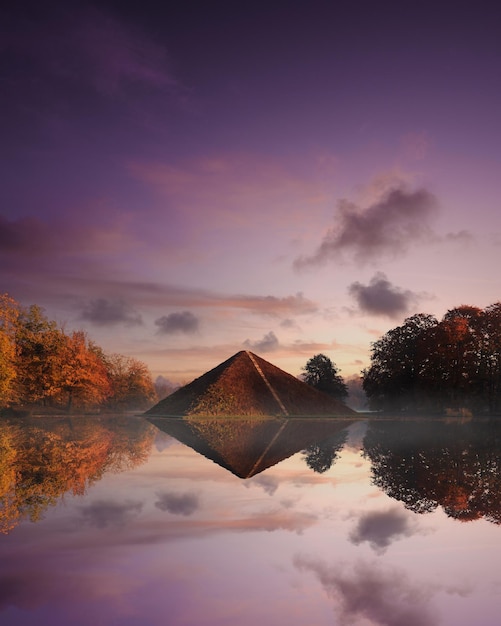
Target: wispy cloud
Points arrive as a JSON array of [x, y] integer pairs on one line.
[[103, 312], [380, 297], [91, 47], [235, 188], [109, 513]]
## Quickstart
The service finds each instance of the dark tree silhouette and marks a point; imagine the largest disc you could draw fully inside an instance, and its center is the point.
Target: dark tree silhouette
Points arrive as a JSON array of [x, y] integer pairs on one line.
[[449, 366], [321, 373], [320, 456]]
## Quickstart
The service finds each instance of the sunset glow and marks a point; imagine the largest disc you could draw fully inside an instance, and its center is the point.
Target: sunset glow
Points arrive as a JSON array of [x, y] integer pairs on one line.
[[186, 182]]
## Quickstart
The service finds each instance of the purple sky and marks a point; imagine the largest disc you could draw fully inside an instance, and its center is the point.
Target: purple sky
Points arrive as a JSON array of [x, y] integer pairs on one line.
[[289, 177]]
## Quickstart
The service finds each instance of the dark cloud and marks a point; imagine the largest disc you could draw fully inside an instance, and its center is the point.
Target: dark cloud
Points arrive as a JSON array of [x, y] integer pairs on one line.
[[372, 594], [183, 322], [108, 513], [103, 312], [381, 528], [385, 228], [380, 297], [268, 343], [177, 503]]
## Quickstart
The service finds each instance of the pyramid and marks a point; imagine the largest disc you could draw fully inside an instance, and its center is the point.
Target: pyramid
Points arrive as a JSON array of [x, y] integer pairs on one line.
[[248, 386]]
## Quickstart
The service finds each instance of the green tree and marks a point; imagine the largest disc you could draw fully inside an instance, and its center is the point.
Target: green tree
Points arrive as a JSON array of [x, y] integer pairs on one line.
[[321, 373]]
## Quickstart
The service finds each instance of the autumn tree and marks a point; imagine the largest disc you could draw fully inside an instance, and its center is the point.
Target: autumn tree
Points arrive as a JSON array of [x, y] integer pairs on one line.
[[321, 373], [41, 364], [131, 386], [452, 365], [40, 346], [9, 313], [83, 378]]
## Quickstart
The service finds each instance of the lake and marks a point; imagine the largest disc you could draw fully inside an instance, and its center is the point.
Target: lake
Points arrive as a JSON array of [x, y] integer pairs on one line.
[[125, 521]]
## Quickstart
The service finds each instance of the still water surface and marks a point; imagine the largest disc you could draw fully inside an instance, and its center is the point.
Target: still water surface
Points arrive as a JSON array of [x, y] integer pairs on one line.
[[306, 522]]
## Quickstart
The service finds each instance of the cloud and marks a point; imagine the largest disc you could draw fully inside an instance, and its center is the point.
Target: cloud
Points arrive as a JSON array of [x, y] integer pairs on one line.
[[380, 297], [381, 528], [267, 344], [90, 48], [183, 322], [416, 146], [158, 294], [57, 254], [177, 503], [461, 237], [289, 324], [268, 483], [103, 312], [24, 236], [102, 514], [372, 594], [116, 53], [231, 189], [387, 227]]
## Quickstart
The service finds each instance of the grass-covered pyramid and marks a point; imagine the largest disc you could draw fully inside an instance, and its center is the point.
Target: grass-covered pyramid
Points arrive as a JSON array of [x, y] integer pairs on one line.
[[247, 385]]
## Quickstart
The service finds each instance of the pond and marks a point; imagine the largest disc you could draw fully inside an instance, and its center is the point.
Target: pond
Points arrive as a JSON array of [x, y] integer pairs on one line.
[[125, 521]]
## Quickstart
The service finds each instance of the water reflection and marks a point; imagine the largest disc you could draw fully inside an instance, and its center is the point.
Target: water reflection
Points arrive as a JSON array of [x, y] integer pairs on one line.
[[177, 539], [41, 459], [248, 447], [426, 464]]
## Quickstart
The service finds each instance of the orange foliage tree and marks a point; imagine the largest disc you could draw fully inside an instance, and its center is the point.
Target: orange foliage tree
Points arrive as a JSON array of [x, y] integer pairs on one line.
[[40, 364]]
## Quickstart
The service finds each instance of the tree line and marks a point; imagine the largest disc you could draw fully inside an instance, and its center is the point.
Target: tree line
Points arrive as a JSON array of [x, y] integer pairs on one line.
[[42, 365], [447, 366]]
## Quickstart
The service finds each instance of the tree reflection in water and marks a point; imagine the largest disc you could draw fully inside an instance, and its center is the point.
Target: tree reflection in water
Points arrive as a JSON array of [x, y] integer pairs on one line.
[[321, 456], [426, 464], [41, 459]]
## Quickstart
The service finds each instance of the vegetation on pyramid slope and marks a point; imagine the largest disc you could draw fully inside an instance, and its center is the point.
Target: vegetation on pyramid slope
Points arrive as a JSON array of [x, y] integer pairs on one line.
[[236, 387]]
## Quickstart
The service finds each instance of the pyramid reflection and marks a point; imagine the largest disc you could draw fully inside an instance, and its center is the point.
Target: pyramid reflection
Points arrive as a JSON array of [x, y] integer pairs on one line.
[[246, 447]]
